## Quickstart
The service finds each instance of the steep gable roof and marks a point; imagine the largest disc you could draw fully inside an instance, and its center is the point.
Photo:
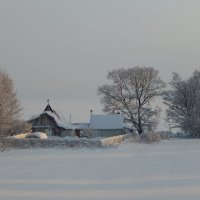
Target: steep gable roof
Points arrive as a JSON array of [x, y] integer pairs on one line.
[[62, 123], [49, 109]]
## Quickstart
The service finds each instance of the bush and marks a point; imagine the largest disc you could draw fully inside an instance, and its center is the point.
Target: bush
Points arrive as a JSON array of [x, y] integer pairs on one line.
[[3, 146], [150, 137], [165, 135], [147, 138]]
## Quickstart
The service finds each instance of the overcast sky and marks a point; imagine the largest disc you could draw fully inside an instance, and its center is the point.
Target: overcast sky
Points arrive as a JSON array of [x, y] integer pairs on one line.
[[63, 49]]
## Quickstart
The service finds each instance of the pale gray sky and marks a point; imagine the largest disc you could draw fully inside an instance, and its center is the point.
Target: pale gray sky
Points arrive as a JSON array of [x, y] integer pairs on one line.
[[62, 49]]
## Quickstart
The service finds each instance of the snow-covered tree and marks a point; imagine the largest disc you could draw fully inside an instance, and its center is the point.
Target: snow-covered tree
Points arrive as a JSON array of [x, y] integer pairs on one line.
[[132, 92], [183, 101], [10, 107]]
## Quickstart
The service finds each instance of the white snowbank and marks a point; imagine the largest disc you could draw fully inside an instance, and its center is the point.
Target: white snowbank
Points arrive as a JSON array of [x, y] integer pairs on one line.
[[20, 136], [39, 135]]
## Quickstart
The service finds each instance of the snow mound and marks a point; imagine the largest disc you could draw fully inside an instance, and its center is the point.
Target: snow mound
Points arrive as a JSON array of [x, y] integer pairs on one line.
[[39, 135], [20, 136]]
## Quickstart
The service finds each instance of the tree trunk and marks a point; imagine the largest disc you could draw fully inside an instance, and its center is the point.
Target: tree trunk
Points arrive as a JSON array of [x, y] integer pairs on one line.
[[140, 129]]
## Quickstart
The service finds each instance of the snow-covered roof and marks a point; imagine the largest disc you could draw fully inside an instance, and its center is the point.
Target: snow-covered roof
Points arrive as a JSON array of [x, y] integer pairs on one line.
[[61, 121], [107, 122], [80, 125]]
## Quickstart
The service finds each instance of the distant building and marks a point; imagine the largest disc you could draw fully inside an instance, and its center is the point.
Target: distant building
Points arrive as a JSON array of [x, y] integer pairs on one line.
[[51, 123], [108, 125], [103, 126]]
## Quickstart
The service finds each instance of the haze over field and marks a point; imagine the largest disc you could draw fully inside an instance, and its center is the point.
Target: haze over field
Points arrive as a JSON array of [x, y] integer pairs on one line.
[[62, 49]]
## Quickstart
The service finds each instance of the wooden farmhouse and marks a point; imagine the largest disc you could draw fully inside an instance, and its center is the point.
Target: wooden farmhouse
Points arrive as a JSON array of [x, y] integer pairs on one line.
[[51, 123]]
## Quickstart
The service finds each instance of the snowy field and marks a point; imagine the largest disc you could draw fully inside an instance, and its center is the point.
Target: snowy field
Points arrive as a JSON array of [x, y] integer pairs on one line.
[[163, 171]]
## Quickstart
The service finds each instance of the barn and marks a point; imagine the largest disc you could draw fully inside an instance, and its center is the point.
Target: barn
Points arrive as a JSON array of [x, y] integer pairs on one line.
[[51, 123]]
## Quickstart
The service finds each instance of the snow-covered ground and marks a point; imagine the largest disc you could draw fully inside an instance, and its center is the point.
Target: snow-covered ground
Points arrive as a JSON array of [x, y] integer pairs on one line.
[[163, 171]]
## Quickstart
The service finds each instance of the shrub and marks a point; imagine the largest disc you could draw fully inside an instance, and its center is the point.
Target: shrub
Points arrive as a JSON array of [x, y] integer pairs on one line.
[[149, 137]]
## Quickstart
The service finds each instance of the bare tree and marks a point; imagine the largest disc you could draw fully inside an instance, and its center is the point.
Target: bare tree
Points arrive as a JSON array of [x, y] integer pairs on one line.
[[132, 92], [183, 101], [10, 107]]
